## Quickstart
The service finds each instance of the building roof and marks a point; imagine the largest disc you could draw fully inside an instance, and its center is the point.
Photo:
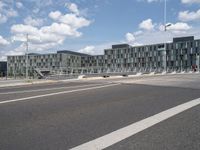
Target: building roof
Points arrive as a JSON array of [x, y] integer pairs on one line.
[[58, 52], [120, 46], [183, 39], [72, 52]]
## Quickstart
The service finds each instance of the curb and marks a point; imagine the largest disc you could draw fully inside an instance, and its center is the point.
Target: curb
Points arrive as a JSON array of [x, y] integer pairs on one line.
[[27, 83]]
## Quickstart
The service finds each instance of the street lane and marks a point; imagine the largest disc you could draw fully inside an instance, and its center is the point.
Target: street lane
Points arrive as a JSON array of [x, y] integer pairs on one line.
[[191, 81], [43, 86], [68, 120], [137, 127], [13, 95], [181, 132]]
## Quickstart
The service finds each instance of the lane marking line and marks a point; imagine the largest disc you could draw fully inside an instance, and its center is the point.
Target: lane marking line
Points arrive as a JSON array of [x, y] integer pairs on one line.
[[57, 93], [130, 130], [47, 89]]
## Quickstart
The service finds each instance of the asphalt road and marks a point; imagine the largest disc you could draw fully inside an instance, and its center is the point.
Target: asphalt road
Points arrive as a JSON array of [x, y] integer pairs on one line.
[[61, 116]]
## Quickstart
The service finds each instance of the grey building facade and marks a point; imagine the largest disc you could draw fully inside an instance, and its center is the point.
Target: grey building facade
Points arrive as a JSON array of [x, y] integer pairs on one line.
[[180, 55], [61, 62]]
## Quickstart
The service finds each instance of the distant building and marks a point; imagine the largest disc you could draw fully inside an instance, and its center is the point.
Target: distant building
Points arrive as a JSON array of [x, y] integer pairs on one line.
[[180, 55], [3, 68], [62, 62]]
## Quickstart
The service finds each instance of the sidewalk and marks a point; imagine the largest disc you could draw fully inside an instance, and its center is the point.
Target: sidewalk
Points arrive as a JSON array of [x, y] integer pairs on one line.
[[13, 82]]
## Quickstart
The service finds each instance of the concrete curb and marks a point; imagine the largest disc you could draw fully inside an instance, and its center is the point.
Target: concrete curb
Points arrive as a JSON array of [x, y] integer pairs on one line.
[[26, 83]]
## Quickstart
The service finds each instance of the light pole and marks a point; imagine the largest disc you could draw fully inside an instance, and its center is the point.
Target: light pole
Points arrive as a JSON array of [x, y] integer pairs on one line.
[[165, 29], [26, 56], [197, 62], [7, 71]]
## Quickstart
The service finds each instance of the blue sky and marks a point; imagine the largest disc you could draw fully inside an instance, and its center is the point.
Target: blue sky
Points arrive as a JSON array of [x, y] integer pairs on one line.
[[90, 26]]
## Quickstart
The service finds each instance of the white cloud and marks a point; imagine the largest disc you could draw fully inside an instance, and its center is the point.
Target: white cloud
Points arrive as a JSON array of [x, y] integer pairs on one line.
[[155, 37], [70, 19], [42, 47], [149, 1], [46, 34], [6, 12], [46, 37], [11, 13], [19, 5], [177, 27], [36, 10], [139, 32], [189, 16], [2, 57], [3, 41], [147, 25], [55, 15], [73, 8], [33, 22], [88, 50], [2, 5], [74, 21], [44, 3], [158, 35], [190, 1], [97, 49], [24, 29], [61, 29], [130, 37]]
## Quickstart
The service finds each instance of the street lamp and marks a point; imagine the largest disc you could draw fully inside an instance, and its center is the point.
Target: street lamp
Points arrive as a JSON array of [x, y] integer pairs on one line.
[[26, 56], [197, 61], [166, 25]]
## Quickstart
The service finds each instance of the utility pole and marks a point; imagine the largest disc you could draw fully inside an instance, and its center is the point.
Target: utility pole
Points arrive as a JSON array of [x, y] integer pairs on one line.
[[165, 44], [197, 62], [165, 29], [165, 15], [27, 56]]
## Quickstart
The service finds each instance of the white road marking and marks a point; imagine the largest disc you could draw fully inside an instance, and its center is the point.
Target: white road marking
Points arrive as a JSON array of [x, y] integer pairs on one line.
[[57, 93], [123, 133], [47, 89]]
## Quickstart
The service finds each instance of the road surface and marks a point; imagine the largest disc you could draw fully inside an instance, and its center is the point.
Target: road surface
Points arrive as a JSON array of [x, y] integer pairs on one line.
[[150, 113]]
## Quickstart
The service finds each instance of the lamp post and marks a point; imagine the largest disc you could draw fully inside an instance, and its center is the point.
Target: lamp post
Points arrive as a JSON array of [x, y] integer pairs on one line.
[[197, 61], [26, 56], [165, 29]]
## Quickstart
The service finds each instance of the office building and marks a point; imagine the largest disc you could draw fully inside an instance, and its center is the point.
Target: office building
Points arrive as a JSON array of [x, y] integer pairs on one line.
[[182, 54], [44, 64]]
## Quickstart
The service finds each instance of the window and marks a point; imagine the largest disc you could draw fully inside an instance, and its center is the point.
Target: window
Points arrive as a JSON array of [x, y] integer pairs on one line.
[[191, 44]]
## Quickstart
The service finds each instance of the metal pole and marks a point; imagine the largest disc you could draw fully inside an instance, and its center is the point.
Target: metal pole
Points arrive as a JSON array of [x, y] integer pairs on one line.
[[7, 71], [165, 44], [26, 56], [181, 66], [165, 15], [197, 62]]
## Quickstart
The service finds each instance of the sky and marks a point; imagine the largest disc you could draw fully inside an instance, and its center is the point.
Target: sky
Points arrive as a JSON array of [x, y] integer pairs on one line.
[[90, 26]]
